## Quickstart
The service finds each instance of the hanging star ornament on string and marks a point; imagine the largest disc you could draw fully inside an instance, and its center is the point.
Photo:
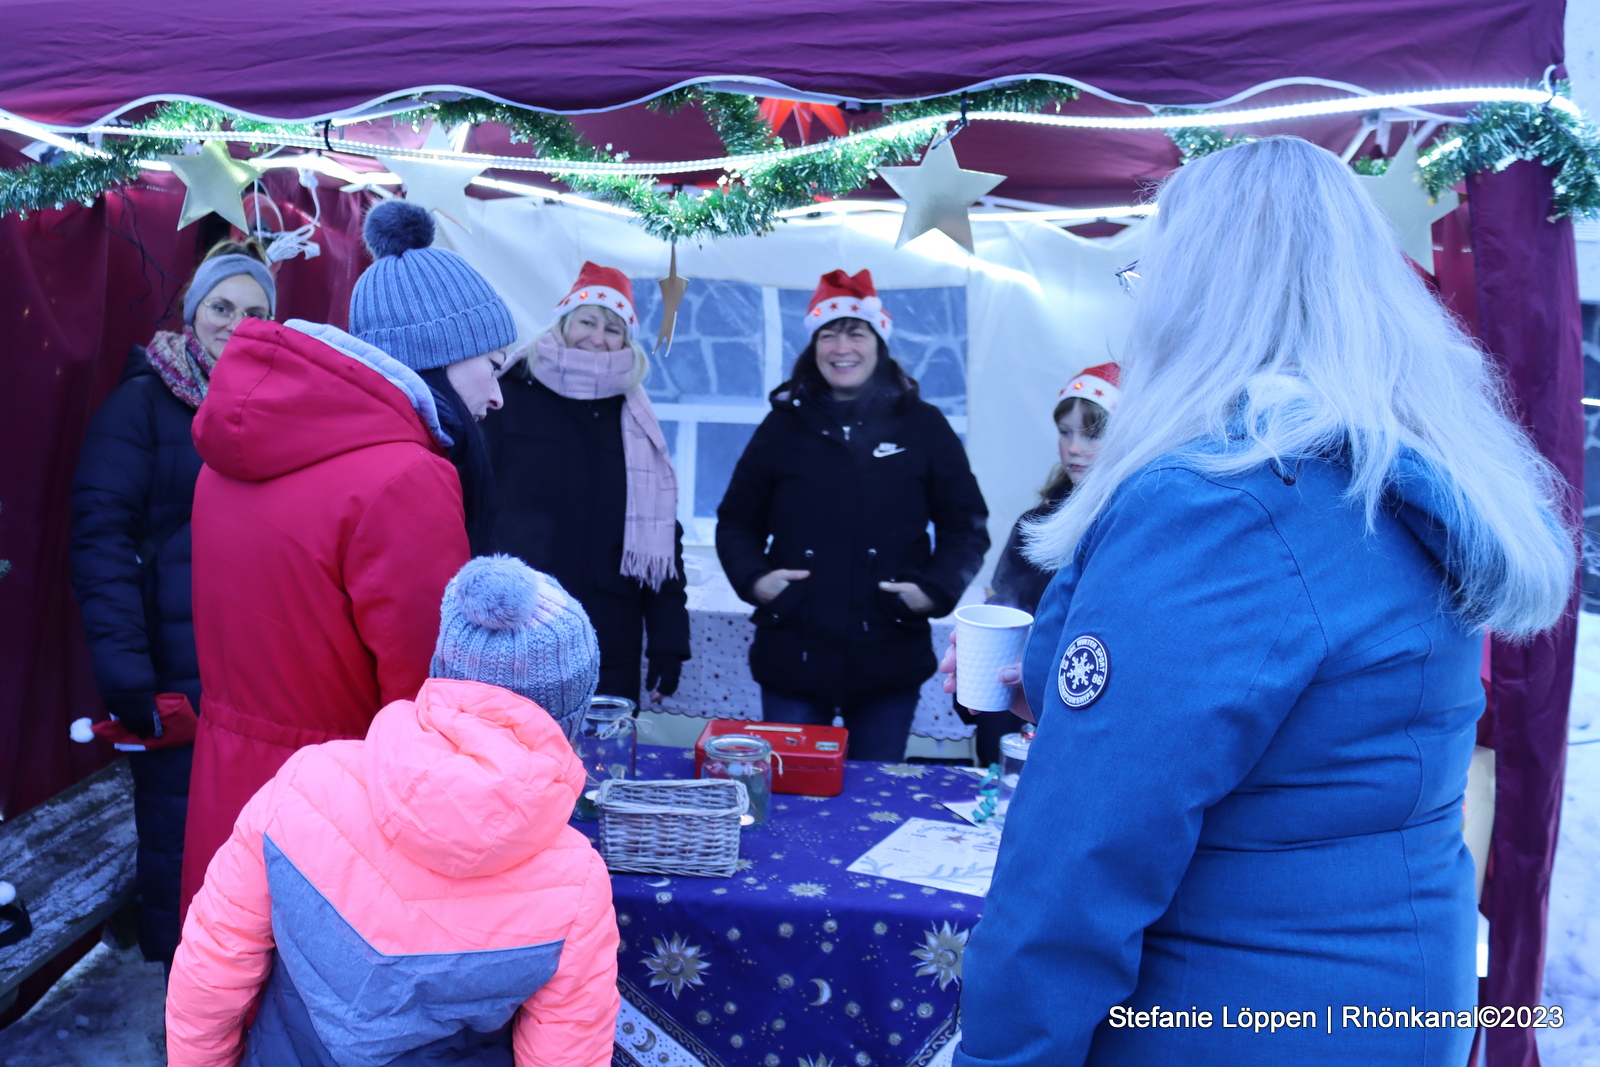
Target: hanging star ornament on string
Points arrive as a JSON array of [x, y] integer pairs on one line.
[[938, 194], [436, 185], [213, 180], [1401, 195]]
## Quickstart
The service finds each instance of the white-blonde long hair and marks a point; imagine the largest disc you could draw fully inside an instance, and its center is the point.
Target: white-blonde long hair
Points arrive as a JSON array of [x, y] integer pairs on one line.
[[558, 330], [1274, 303]]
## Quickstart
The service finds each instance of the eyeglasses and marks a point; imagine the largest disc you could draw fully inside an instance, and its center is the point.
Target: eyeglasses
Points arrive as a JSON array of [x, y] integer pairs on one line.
[[221, 314], [1128, 277]]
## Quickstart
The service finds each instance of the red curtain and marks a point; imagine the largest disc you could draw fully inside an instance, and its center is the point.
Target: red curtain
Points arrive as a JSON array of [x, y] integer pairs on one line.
[[82, 284], [1527, 294]]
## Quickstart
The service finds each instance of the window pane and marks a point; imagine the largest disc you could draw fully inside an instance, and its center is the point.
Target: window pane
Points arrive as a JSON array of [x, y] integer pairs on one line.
[[716, 347], [720, 446]]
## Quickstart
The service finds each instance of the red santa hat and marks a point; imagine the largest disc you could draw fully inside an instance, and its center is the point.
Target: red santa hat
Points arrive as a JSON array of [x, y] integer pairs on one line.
[[1099, 384], [846, 296], [603, 287]]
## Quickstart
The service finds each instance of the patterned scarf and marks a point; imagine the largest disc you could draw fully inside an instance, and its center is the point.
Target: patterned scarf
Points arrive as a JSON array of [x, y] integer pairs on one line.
[[647, 536], [182, 364]]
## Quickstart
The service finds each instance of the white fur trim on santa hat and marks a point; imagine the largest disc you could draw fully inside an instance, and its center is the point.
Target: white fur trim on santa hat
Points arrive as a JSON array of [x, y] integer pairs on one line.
[[1093, 388], [600, 296], [867, 308]]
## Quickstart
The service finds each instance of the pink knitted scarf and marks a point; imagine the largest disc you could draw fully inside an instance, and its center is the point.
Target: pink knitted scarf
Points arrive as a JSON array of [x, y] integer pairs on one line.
[[648, 552], [182, 363]]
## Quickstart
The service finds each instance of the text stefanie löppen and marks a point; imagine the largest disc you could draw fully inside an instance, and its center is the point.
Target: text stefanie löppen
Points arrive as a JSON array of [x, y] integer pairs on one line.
[[1349, 1016]]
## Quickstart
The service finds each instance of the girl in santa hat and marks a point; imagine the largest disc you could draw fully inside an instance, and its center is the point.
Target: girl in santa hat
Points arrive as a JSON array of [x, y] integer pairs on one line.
[[585, 482], [1083, 408], [825, 529]]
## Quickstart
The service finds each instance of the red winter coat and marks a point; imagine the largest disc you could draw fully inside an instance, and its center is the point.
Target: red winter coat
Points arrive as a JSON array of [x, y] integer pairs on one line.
[[326, 523]]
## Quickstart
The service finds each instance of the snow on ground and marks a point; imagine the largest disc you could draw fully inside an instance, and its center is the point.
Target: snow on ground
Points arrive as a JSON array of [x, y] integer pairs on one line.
[[1572, 950], [108, 1011]]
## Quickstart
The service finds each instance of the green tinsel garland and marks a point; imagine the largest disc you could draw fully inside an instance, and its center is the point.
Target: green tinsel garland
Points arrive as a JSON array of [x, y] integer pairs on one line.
[[751, 201], [85, 177], [1501, 134], [744, 203], [1196, 141], [1493, 136]]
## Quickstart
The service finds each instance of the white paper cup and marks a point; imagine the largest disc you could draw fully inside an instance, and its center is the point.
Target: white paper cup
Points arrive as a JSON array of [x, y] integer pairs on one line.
[[988, 637]]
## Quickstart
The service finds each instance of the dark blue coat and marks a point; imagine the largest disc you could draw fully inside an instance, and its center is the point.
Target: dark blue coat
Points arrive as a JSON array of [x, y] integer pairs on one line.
[[1261, 808], [131, 498]]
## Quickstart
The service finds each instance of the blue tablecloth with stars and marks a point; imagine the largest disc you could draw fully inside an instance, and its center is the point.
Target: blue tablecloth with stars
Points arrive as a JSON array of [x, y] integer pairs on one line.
[[796, 961]]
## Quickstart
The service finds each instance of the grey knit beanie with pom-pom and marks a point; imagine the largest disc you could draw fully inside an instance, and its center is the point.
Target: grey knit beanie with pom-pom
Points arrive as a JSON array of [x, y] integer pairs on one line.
[[424, 306], [506, 624]]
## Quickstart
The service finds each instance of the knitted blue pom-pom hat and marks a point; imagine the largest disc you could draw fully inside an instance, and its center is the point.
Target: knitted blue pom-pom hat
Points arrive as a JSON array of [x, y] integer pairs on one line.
[[424, 306], [506, 624]]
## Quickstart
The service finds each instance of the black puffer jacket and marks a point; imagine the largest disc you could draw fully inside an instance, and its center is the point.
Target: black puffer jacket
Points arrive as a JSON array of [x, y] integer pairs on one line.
[[1017, 582], [131, 498], [562, 496], [848, 494]]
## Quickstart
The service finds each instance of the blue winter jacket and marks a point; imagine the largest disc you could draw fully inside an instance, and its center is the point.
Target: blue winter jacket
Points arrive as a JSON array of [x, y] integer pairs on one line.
[[1255, 805]]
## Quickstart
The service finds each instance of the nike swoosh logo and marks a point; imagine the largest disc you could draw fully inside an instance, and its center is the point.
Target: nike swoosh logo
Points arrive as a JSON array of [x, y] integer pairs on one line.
[[886, 449]]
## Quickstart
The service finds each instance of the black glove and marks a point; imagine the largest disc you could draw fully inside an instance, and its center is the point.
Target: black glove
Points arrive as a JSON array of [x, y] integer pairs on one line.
[[136, 714], [662, 673]]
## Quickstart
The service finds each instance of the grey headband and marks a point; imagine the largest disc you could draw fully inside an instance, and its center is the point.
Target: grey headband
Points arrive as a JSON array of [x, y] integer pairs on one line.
[[215, 270]]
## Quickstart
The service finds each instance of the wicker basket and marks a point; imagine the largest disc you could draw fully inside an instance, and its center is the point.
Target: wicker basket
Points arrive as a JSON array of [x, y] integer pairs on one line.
[[687, 827]]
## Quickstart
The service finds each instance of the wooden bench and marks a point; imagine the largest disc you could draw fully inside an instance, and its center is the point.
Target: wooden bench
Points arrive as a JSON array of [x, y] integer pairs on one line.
[[72, 862]]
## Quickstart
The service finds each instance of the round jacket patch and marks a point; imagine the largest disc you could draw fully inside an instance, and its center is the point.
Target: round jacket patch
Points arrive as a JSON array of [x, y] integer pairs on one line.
[[1083, 672]]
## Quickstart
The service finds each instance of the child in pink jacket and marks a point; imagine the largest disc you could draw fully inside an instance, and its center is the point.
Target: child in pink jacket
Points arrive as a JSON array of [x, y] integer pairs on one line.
[[417, 897]]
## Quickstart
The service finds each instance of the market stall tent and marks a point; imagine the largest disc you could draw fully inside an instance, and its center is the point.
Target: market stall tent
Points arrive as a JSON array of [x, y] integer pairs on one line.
[[83, 282]]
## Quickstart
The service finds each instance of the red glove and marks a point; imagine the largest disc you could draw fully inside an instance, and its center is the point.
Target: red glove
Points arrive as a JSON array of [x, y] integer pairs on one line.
[[178, 724]]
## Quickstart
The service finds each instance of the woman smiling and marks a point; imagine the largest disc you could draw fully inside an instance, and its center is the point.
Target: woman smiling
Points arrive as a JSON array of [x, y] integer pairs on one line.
[[844, 476], [586, 485]]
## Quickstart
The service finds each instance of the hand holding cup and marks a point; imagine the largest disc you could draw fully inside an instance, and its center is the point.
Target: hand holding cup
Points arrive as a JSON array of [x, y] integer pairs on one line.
[[985, 661]]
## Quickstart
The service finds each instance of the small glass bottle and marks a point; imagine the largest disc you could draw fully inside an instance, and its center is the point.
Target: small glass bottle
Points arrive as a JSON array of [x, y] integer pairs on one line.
[[607, 746], [746, 759]]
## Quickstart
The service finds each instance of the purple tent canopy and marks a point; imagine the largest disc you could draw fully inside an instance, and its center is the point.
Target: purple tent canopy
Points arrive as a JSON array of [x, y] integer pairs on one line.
[[77, 61]]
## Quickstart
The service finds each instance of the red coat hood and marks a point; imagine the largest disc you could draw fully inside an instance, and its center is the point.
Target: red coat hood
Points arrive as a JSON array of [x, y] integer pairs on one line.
[[469, 779], [281, 400]]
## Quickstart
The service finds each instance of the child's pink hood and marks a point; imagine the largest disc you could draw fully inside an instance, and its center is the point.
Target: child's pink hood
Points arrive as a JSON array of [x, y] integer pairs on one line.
[[468, 779]]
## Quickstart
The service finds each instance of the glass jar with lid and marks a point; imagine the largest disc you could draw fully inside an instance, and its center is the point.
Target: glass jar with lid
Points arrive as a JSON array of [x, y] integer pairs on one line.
[[746, 759], [607, 745]]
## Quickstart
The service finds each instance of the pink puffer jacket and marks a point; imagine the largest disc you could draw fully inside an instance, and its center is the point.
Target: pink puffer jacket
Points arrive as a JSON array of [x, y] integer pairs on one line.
[[397, 899]]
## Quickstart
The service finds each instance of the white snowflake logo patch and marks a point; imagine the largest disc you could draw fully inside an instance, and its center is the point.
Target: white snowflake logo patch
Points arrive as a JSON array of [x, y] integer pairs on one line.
[[1085, 667]]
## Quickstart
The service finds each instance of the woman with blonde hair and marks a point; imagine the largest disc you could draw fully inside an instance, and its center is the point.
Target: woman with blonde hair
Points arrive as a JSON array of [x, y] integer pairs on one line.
[[585, 482], [1256, 672]]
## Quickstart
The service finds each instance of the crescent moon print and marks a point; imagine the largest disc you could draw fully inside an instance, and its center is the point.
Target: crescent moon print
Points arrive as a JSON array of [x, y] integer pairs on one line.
[[647, 1044], [824, 992]]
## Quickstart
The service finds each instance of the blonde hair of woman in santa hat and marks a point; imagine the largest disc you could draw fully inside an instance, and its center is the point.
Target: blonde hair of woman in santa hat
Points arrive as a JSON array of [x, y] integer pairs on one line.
[[586, 485]]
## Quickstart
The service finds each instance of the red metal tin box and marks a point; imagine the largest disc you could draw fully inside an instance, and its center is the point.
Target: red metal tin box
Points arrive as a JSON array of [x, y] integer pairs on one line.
[[807, 759]]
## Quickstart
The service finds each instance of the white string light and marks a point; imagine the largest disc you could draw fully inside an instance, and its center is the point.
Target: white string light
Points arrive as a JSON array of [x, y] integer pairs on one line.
[[1189, 120], [752, 161]]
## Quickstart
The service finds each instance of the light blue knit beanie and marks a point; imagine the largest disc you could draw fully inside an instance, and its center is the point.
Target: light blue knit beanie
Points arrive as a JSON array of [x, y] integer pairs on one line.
[[424, 306], [506, 624]]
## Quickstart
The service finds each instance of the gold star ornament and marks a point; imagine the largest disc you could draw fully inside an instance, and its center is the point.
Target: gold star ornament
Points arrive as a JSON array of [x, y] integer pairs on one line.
[[938, 194], [213, 180], [672, 290], [1400, 193], [436, 185]]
